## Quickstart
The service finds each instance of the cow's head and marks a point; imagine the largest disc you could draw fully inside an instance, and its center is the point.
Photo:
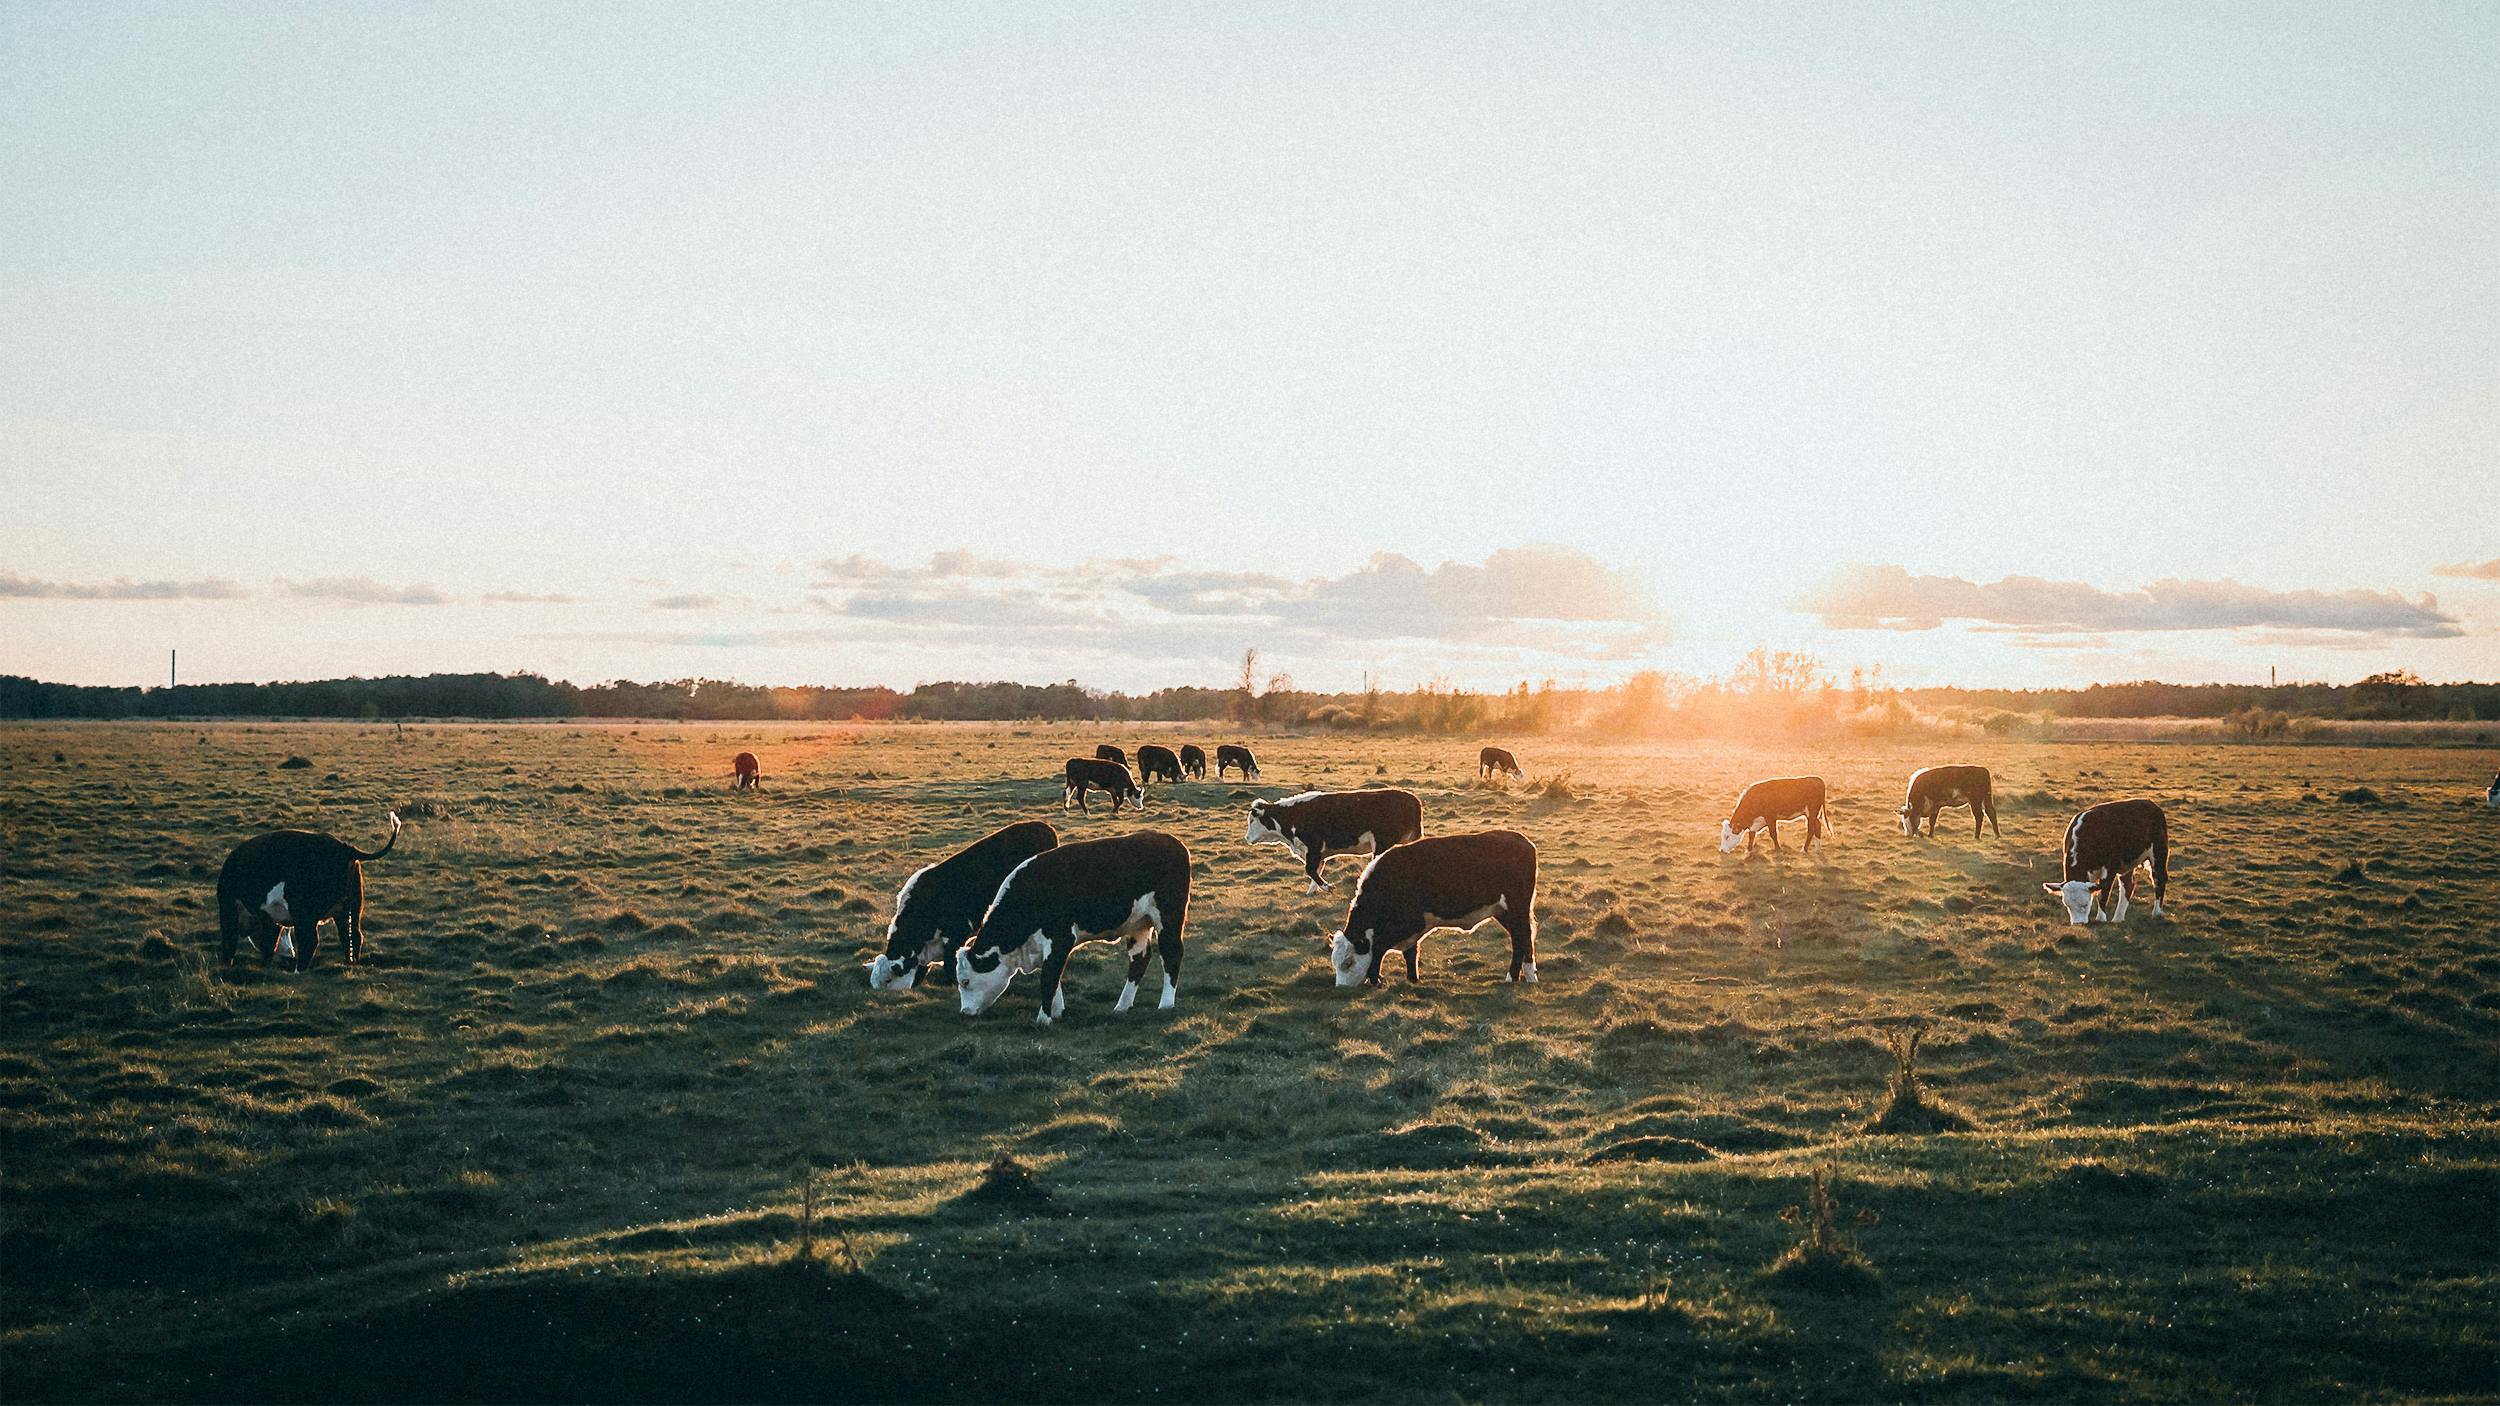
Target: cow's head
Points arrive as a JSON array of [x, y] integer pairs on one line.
[[1351, 956], [2076, 894], [1263, 827], [1730, 837], [1908, 825], [983, 968], [911, 942]]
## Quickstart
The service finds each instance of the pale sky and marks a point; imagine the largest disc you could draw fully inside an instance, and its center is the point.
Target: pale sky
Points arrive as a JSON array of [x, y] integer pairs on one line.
[[846, 343]]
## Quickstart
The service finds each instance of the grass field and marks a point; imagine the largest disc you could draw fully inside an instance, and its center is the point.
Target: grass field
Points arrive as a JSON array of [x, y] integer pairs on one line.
[[556, 1136]]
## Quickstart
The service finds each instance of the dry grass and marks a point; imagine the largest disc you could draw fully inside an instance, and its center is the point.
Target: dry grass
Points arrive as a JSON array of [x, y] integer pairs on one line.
[[541, 1144]]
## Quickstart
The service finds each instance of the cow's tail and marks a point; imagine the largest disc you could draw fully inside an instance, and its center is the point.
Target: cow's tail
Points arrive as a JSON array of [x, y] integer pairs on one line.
[[386, 845]]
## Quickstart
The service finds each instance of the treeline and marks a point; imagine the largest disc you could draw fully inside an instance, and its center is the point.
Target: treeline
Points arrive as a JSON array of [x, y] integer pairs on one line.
[[1791, 687]]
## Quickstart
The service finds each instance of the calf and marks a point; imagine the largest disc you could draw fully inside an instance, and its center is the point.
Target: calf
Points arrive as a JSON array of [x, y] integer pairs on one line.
[[1936, 787], [295, 879], [1157, 764], [1766, 803], [1493, 759], [1093, 773], [941, 905], [2104, 844], [745, 771], [1113, 890], [1451, 881], [1319, 825], [1108, 753], [1194, 761], [1229, 755]]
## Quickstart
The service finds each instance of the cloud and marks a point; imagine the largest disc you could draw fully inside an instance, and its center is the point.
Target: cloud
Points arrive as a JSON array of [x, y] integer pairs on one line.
[[686, 602], [529, 598], [364, 590], [1890, 598], [119, 588], [2471, 570]]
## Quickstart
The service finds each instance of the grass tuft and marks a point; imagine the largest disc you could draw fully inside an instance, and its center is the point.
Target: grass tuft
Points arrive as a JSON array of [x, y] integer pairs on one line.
[[295, 763], [1907, 1108], [1008, 1182], [1823, 1260]]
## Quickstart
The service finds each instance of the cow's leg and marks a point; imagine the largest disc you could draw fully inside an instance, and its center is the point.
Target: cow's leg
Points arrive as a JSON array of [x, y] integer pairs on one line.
[[1139, 946], [1776, 846], [1414, 954], [1992, 820], [307, 940], [2161, 868], [1519, 921], [1173, 906], [1315, 855], [2126, 891], [229, 926], [1054, 970]]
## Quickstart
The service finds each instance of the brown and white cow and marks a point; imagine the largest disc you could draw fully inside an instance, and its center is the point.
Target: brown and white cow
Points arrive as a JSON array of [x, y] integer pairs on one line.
[[1766, 803], [294, 880], [1093, 773], [1493, 760], [2104, 845], [745, 771], [1449, 881], [1934, 788], [1319, 825], [1110, 753], [1132, 889], [1157, 763]]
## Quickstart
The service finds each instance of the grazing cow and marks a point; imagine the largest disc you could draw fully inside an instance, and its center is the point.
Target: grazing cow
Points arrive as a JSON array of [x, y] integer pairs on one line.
[[941, 905], [1108, 753], [2491, 797], [1320, 825], [1449, 881], [1157, 764], [1194, 761], [1493, 759], [1096, 774], [1229, 755], [1113, 890], [1935, 787], [1766, 803], [745, 771], [2104, 844], [295, 879]]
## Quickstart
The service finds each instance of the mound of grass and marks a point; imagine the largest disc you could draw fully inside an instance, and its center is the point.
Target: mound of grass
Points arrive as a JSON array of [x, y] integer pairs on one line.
[[2360, 796], [1907, 1108], [1008, 1182], [1823, 1260], [1652, 1149], [295, 763], [1614, 922]]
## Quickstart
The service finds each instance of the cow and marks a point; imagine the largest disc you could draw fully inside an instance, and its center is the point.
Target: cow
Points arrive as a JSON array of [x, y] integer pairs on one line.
[[745, 771], [941, 904], [1229, 755], [295, 879], [1320, 825], [1194, 761], [1108, 753], [1449, 881], [2104, 844], [2491, 797], [1766, 803], [1114, 890], [1934, 788], [1157, 764], [1493, 760], [1094, 773]]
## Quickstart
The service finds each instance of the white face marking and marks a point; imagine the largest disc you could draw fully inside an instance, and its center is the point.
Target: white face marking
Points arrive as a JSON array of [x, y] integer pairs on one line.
[[275, 906], [1350, 964], [1262, 831], [977, 991], [892, 974], [2077, 896]]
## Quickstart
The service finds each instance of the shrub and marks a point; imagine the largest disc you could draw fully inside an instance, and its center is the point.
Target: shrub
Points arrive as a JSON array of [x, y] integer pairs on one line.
[[1907, 1109]]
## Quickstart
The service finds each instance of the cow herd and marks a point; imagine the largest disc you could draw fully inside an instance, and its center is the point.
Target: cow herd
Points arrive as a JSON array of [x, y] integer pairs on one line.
[[1018, 902]]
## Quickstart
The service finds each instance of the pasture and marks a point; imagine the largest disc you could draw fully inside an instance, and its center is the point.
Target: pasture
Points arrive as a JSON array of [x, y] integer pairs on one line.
[[609, 1111]]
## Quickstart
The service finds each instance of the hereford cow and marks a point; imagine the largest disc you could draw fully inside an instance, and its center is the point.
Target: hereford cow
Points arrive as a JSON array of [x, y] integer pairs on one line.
[[2104, 845], [285, 884], [1229, 755], [1320, 825], [745, 771], [1157, 764], [1108, 753], [1093, 773], [1450, 881], [1934, 788], [1766, 803], [1114, 890], [1194, 761], [1493, 760], [941, 904]]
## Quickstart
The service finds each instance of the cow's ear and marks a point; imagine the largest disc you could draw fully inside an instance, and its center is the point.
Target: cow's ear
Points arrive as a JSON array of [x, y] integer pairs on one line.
[[2051, 888]]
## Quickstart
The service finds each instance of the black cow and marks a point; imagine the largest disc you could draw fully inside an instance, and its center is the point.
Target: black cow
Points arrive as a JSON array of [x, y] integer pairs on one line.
[[1494, 759], [2104, 844], [1934, 788], [1229, 755], [1194, 761], [295, 879], [1108, 753], [1157, 764], [1320, 825], [1766, 803], [1093, 773], [1450, 881], [941, 905], [1112, 890]]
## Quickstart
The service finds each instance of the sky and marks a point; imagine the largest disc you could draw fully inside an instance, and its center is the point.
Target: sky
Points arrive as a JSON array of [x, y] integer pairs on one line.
[[2004, 345]]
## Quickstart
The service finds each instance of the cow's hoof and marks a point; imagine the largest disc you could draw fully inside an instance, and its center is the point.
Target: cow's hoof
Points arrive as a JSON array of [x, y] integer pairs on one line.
[[1041, 1017]]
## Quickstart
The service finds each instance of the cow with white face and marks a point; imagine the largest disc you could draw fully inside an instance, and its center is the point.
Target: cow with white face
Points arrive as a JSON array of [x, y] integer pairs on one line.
[[1450, 881], [2104, 846], [1766, 803], [1132, 889], [940, 906], [1319, 825]]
